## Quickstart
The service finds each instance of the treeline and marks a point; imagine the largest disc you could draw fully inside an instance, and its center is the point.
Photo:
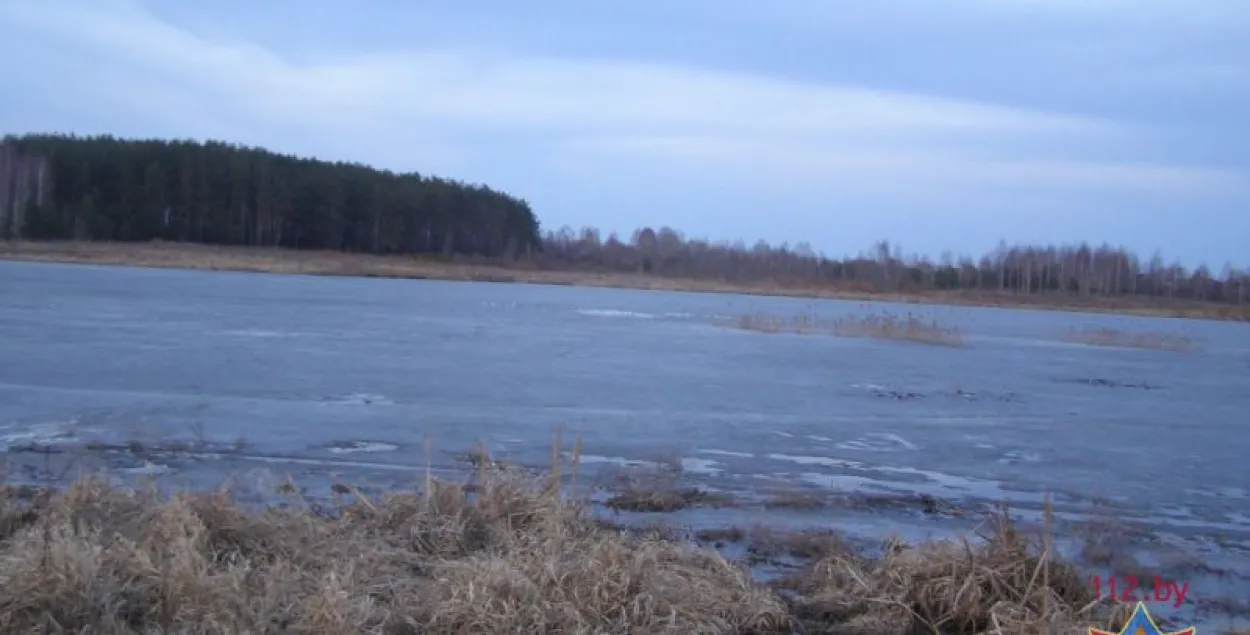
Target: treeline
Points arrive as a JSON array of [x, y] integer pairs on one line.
[[103, 188], [1073, 270]]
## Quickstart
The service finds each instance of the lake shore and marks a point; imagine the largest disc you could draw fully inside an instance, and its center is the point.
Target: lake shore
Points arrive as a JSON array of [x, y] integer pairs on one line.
[[506, 553], [328, 263], [503, 548]]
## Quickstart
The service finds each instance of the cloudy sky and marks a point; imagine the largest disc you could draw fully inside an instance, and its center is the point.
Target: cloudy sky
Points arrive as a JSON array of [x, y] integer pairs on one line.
[[938, 125]]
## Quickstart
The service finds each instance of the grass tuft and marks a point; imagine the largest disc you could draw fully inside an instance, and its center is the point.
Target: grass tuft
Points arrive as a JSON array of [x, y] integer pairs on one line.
[[1003, 584], [658, 489]]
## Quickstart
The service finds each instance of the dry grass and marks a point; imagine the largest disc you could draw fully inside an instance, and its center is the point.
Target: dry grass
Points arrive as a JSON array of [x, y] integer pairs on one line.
[[509, 555], [884, 326], [762, 323], [767, 543], [788, 496], [1005, 584], [273, 260], [662, 500], [511, 558], [798, 499], [764, 543], [1120, 339]]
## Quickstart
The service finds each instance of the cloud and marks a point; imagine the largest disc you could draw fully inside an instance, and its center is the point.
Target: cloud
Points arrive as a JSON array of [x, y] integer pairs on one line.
[[484, 88], [605, 108], [885, 169]]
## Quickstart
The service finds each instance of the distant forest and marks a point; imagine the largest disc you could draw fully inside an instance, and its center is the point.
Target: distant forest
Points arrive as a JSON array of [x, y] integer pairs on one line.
[[56, 187], [102, 188]]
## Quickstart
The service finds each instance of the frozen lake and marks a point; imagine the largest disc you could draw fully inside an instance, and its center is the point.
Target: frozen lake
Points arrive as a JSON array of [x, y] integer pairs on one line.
[[334, 377]]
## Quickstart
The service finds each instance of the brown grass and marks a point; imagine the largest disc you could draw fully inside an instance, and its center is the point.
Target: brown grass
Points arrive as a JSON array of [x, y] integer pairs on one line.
[[1005, 584], [510, 555], [330, 263], [509, 559], [883, 326], [1120, 339]]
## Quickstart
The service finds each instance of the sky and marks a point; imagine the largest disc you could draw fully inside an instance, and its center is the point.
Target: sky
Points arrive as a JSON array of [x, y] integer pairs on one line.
[[940, 126]]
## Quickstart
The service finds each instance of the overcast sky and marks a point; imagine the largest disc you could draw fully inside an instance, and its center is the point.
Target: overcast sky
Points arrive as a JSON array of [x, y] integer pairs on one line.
[[938, 125]]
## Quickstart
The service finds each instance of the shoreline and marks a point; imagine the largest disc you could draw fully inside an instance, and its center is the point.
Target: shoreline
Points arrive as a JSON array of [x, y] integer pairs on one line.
[[492, 562], [496, 528], [500, 531], [196, 256]]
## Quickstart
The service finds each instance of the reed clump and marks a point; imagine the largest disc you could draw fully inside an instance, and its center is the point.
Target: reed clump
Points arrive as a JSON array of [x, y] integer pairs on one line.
[[1120, 339], [1004, 583], [658, 488], [796, 499], [910, 328], [762, 323]]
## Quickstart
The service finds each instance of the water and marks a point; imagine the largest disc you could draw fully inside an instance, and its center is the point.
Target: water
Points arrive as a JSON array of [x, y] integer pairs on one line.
[[345, 378]]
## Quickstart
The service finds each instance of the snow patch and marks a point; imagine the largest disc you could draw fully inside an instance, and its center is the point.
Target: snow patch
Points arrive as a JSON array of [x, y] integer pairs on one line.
[[741, 455], [615, 313], [701, 466], [362, 399], [878, 442], [363, 446]]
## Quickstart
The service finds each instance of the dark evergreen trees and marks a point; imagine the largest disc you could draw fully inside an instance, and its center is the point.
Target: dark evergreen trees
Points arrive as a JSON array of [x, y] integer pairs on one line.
[[103, 188]]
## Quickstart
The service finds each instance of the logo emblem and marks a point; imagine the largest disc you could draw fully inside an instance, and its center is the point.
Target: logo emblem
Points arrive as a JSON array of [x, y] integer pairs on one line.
[[1140, 623]]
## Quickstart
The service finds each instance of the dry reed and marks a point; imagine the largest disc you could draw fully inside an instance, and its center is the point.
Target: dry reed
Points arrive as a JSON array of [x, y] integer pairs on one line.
[[762, 323], [889, 327], [1120, 339], [796, 499], [508, 555], [504, 557], [910, 328], [1004, 584]]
